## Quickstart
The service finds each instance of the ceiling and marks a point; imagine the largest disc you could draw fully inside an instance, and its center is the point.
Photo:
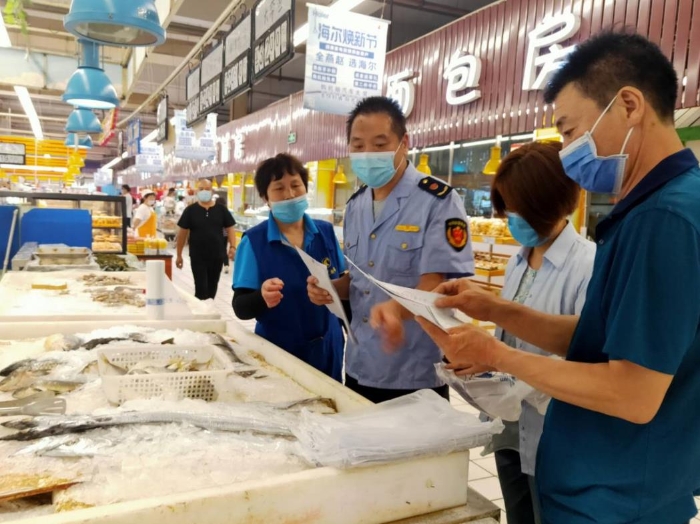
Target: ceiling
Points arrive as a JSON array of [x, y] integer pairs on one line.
[[189, 21]]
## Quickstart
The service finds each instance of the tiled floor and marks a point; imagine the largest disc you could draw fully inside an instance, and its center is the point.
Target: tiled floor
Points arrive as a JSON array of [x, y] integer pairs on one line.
[[482, 473]]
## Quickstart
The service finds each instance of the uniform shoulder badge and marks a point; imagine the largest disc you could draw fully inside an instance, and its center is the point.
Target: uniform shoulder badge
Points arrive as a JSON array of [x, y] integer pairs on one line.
[[457, 233], [357, 193], [435, 187]]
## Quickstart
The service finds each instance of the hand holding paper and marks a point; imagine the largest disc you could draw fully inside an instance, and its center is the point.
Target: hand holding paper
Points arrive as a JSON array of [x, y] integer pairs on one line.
[[420, 303], [320, 273]]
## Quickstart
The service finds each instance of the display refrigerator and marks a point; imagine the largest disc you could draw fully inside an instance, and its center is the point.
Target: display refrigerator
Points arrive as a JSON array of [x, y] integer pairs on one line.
[[94, 221]]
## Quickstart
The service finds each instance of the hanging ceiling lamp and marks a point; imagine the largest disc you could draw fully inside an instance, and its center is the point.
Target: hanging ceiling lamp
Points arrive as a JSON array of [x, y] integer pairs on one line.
[[127, 23], [73, 141], [89, 86], [340, 177], [494, 159], [83, 121]]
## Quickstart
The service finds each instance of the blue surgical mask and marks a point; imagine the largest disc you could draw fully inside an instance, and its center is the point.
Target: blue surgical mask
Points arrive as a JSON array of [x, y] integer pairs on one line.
[[598, 174], [523, 232], [204, 196], [290, 211], [374, 169]]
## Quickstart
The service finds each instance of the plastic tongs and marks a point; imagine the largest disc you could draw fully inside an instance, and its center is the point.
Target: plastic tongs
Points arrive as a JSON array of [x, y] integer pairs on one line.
[[39, 404]]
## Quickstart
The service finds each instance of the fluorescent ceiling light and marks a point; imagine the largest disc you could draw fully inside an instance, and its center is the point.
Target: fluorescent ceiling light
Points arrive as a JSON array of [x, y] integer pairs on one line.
[[29, 110], [301, 34], [12, 167], [114, 162], [4, 37]]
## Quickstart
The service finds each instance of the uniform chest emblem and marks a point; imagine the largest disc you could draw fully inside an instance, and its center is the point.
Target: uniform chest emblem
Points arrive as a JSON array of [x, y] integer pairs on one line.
[[327, 263], [457, 233]]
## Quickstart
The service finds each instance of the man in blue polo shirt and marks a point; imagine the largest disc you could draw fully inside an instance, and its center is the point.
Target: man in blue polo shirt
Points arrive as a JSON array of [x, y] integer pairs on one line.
[[621, 442]]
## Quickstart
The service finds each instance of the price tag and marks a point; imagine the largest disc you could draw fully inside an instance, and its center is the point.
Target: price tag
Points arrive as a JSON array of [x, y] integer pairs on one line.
[[489, 240]]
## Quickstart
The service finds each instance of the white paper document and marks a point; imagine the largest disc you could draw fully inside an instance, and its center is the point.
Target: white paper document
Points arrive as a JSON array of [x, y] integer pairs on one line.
[[420, 303], [320, 271]]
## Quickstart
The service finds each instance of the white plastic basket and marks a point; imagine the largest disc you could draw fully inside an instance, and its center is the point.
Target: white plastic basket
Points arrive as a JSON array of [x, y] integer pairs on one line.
[[205, 385]]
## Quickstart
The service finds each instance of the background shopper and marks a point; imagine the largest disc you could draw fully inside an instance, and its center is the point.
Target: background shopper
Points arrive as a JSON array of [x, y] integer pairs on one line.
[[203, 222], [129, 203], [145, 218]]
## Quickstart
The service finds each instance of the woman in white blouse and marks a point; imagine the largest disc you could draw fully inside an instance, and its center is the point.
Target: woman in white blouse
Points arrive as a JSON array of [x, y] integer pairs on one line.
[[551, 274]]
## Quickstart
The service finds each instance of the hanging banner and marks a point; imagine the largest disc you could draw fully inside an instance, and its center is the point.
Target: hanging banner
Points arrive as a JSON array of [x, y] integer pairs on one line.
[[162, 120], [345, 56], [273, 29], [237, 59], [212, 68], [108, 127], [192, 95], [133, 137]]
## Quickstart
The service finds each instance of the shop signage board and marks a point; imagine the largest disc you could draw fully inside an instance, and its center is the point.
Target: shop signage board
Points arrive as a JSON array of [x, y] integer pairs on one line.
[[162, 120], [237, 59], [481, 76], [273, 30], [192, 95], [345, 55], [210, 81], [133, 137], [11, 153]]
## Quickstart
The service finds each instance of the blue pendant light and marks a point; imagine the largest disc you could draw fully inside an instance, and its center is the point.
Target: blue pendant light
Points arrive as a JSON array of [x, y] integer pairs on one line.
[[90, 86], [83, 121], [123, 23], [73, 141]]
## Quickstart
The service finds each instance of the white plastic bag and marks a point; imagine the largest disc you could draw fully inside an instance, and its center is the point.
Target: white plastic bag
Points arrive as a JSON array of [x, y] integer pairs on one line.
[[498, 395], [419, 424]]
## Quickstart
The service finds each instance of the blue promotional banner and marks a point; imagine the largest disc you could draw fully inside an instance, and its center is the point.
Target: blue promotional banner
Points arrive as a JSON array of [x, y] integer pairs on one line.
[[345, 55]]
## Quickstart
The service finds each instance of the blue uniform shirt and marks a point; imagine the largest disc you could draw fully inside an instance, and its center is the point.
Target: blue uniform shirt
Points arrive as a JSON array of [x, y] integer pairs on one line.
[[307, 331], [421, 229], [643, 306], [559, 288]]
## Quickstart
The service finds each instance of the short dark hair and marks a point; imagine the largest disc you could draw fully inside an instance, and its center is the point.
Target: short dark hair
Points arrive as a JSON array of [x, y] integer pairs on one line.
[[181, 198], [606, 63], [171, 190], [532, 180], [149, 195], [379, 104], [275, 168], [126, 187]]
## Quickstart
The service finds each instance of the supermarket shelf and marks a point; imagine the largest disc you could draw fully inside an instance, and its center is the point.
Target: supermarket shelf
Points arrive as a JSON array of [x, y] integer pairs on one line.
[[489, 274], [503, 241]]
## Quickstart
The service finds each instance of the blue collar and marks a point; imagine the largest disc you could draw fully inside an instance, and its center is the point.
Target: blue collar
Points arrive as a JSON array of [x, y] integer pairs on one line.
[[665, 171], [558, 251], [275, 235]]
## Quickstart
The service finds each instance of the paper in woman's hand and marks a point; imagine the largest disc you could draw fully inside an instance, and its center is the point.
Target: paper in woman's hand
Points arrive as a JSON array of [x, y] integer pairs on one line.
[[320, 271]]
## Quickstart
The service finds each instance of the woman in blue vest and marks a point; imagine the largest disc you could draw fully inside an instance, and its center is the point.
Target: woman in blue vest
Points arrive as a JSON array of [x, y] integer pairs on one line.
[[269, 277]]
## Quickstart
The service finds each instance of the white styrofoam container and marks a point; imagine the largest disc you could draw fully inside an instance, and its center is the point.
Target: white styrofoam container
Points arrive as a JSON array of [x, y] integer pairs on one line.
[[205, 385]]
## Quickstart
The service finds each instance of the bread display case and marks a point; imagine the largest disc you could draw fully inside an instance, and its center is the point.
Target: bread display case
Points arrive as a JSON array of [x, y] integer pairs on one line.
[[108, 214]]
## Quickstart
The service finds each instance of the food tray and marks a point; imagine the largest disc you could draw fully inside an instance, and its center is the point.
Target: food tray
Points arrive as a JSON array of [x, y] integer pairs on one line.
[[205, 385]]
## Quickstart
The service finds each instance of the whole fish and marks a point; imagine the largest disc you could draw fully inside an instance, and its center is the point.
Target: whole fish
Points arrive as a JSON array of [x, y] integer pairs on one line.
[[17, 380], [66, 446], [219, 341], [52, 386], [264, 419], [62, 342], [134, 337], [38, 367]]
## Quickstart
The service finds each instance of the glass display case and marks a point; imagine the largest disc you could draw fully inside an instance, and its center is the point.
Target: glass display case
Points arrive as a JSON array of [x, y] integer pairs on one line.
[[108, 214]]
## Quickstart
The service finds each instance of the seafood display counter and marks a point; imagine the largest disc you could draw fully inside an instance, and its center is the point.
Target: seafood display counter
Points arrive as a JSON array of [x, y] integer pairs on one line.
[[76, 295], [243, 457]]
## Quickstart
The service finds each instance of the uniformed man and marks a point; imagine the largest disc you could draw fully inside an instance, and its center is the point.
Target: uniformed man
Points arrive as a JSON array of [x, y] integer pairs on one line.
[[403, 228]]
